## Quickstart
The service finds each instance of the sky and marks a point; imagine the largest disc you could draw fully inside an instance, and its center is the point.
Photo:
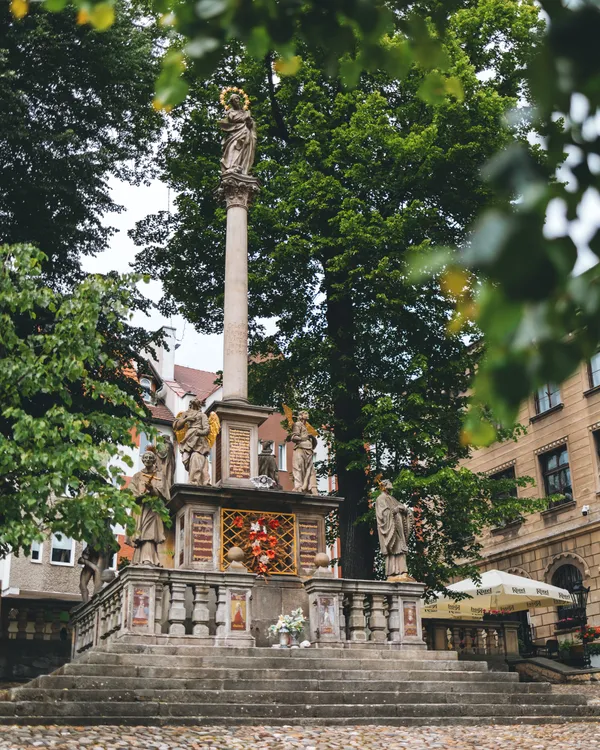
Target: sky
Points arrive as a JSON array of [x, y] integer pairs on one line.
[[203, 352]]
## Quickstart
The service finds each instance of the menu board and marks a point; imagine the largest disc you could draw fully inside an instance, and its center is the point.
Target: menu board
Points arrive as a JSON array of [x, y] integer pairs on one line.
[[202, 536], [239, 453], [308, 531]]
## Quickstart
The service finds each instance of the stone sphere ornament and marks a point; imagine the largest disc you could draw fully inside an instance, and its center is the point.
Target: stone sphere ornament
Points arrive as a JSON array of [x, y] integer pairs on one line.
[[321, 560], [236, 555], [227, 91]]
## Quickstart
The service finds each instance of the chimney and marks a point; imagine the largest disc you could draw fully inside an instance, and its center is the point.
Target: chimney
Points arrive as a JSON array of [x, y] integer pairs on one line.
[[165, 357]]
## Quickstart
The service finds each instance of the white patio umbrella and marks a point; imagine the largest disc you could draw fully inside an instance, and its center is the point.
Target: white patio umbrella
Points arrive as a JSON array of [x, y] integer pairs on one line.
[[498, 592]]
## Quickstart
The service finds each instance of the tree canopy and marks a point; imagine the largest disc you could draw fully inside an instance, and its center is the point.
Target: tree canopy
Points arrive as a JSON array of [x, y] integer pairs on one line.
[[75, 110], [67, 405], [355, 183]]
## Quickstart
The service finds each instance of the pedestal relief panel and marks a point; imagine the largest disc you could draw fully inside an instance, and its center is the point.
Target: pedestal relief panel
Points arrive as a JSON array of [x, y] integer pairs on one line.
[[308, 542]]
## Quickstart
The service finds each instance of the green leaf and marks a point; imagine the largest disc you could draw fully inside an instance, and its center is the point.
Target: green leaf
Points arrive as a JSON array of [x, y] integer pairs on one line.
[[206, 9]]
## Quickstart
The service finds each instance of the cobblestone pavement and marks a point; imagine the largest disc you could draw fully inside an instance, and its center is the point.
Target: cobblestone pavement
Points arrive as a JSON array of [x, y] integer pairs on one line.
[[542, 737]]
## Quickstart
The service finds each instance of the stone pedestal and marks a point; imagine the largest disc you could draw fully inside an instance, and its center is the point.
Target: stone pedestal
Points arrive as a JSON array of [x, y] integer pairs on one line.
[[235, 452]]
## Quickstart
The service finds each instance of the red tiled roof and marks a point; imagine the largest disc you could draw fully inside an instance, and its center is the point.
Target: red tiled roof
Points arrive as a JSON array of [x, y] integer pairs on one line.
[[198, 382], [160, 411]]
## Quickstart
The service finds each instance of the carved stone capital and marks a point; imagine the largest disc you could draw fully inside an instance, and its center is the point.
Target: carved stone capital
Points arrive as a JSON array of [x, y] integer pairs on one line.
[[238, 189]]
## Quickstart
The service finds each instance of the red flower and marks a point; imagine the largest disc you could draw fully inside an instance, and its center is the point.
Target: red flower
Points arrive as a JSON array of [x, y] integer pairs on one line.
[[260, 521], [271, 554], [238, 522], [261, 536], [256, 550], [272, 540], [252, 535], [262, 568], [274, 523]]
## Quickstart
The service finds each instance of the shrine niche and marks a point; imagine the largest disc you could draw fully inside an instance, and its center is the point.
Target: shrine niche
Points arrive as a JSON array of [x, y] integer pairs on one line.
[[268, 540]]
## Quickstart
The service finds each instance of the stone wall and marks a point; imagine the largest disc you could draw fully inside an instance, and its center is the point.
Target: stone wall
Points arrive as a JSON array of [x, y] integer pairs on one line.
[[45, 577], [544, 541]]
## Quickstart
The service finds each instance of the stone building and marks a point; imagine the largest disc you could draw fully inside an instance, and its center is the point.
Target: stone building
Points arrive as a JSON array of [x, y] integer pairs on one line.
[[560, 452]]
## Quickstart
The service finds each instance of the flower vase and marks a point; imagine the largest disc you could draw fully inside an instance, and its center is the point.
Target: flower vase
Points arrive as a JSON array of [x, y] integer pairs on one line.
[[283, 639], [294, 637]]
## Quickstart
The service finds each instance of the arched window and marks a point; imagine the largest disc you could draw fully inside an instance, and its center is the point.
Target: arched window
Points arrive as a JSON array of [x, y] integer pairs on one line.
[[146, 385], [566, 577]]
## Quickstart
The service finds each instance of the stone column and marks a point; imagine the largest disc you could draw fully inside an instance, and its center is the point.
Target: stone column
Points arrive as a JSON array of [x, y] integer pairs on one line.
[[237, 191]]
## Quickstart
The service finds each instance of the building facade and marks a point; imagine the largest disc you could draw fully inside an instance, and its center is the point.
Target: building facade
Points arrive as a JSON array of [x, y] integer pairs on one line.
[[561, 453]]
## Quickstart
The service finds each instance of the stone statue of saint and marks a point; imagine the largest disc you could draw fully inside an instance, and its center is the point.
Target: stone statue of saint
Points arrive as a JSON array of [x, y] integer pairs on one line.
[[395, 522], [149, 527], [165, 454], [95, 561], [303, 469], [192, 430], [239, 142], [267, 463]]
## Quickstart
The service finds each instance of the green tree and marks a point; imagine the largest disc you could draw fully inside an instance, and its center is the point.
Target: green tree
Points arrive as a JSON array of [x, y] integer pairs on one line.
[[354, 182], [67, 405], [75, 111]]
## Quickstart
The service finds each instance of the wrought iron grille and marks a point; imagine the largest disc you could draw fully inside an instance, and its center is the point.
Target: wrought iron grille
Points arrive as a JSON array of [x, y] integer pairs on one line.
[[234, 533]]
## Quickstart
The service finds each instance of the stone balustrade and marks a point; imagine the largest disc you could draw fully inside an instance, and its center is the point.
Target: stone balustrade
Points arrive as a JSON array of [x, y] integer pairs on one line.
[[209, 606], [473, 639], [346, 613]]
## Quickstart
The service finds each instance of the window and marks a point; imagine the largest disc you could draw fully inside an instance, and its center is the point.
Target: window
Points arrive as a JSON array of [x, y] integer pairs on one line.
[[36, 552], [144, 443], [594, 370], [282, 457], [62, 550], [557, 475], [566, 577], [506, 474], [146, 386], [546, 398]]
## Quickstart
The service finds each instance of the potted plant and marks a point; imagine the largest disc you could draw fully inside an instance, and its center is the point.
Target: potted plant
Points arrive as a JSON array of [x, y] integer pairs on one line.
[[594, 652]]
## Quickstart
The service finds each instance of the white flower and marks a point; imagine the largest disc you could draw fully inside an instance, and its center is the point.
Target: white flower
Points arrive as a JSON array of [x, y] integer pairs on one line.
[[263, 559], [255, 527]]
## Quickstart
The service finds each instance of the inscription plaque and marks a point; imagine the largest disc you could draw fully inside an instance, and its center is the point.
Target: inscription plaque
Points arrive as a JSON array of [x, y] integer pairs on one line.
[[202, 536], [308, 533], [239, 453]]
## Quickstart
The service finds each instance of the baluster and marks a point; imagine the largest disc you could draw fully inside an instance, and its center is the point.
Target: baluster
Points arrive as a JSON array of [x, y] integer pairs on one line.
[[394, 618], [221, 613], [357, 618], [342, 615], [377, 621], [484, 640], [496, 641], [159, 601], [200, 614], [456, 638], [449, 639], [177, 609]]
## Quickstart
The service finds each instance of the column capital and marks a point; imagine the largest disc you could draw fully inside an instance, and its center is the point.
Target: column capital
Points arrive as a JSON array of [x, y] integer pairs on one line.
[[238, 189]]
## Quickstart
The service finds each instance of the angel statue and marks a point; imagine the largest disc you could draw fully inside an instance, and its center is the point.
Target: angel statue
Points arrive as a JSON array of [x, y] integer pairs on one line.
[[196, 434], [395, 522], [239, 142], [304, 437]]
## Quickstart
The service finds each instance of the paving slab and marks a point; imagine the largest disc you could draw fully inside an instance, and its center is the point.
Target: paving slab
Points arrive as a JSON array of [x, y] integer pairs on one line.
[[582, 736]]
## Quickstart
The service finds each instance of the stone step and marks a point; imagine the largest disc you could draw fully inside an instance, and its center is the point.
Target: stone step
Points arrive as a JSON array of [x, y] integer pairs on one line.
[[270, 662], [101, 712], [240, 698], [83, 682], [221, 673], [179, 647]]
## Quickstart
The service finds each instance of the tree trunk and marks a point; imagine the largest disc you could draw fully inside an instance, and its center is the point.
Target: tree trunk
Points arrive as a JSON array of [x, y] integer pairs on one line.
[[348, 442]]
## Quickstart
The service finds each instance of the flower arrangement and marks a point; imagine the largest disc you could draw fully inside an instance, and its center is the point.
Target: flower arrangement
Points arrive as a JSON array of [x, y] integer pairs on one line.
[[260, 542], [233, 90], [589, 634], [292, 623]]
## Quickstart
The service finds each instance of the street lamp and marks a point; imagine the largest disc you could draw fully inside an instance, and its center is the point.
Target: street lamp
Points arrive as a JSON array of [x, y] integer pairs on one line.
[[579, 595]]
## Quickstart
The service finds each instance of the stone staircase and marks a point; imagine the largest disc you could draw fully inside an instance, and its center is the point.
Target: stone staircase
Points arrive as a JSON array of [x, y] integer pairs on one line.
[[128, 683]]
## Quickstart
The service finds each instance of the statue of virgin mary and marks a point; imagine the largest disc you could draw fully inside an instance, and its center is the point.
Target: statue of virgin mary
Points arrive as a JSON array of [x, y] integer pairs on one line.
[[239, 143]]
